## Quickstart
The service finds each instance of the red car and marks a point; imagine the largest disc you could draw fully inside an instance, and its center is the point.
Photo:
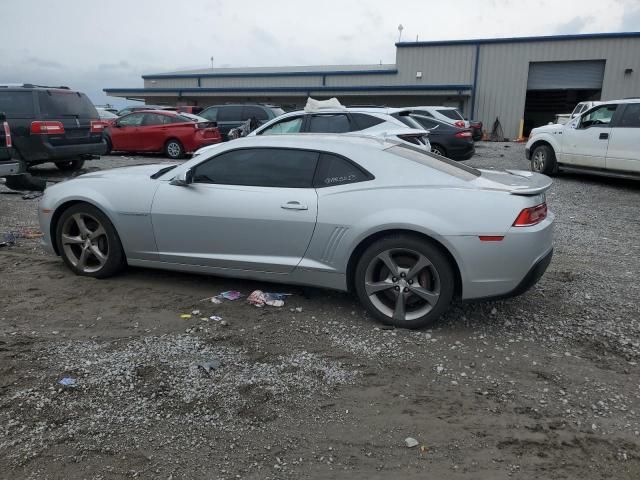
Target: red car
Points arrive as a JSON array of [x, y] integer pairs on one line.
[[175, 134]]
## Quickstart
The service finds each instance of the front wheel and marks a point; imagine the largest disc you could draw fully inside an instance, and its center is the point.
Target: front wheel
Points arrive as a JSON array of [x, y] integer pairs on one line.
[[70, 165], [543, 160], [174, 149], [88, 242], [405, 281]]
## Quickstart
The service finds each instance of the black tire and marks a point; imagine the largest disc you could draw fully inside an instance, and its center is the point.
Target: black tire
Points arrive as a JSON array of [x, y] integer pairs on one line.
[[438, 150], [174, 149], [70, 165], [108, 242], [109, 146], [25, 181], [436, 280], [543, 160]]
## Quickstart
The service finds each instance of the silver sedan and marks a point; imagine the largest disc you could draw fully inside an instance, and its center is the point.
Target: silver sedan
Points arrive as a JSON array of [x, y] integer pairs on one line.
[[406, 230]]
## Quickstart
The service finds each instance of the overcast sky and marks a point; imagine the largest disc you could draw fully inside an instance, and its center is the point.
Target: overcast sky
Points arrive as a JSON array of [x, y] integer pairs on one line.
[[91, 45]]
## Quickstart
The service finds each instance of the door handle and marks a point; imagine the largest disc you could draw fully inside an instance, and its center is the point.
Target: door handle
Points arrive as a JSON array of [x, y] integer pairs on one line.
[[603, 136], [294, 206]]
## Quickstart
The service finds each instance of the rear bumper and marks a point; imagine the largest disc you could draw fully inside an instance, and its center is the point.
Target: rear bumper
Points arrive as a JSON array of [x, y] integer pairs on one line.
[[41, 150], [461, 152], [204, 142], [503, 268]]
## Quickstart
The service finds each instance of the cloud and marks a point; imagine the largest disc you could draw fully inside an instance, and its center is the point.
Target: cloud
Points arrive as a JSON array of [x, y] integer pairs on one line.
[[43, 63], [575, 25], [630, 20]]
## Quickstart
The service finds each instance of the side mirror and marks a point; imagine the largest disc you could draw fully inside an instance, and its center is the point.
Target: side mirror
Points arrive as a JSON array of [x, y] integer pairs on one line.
[[183, 179]]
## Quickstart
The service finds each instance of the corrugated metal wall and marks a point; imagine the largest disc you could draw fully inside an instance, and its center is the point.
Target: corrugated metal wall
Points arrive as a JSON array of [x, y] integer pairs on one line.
[[504, 68]]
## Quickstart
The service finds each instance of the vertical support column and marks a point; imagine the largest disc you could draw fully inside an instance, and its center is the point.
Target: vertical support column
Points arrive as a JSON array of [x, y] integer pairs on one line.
[[475, 83]]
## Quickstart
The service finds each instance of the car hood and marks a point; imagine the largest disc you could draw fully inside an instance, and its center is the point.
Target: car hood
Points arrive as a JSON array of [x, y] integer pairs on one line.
[[136, 171], [516, 182], [546, 129]]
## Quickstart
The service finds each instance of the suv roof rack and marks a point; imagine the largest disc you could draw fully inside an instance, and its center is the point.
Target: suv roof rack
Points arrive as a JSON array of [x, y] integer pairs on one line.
[[31, 85]]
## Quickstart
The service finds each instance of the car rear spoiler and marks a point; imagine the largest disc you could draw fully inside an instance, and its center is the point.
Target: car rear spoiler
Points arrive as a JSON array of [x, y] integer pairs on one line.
[[536, 184]]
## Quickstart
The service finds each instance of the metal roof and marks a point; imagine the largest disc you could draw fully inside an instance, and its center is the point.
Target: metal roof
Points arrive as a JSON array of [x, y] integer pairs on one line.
[[547, 38], [280, 71]]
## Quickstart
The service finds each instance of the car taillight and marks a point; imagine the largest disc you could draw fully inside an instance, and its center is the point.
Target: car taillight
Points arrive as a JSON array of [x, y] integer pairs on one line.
[[97, 126], [7, 134], [46, 128], [459, 123], [465, 134], [531, 216]]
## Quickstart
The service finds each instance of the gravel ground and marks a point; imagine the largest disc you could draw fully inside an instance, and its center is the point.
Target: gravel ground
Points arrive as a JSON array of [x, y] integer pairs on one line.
[[545, 385]]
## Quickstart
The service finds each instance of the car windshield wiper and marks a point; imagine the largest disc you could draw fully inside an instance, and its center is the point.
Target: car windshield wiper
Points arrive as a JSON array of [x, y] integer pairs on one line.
[[162, 171]]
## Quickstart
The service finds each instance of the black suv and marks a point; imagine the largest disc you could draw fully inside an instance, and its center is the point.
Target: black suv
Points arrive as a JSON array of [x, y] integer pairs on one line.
[[51, 124], [232, 116]]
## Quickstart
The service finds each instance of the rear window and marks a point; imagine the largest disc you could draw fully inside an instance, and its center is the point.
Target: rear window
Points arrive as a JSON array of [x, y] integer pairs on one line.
[[66, 104], [443, 164], [16, 103], [277, 111], [329, 123], [251, 111], [364, 121], [453, 114], [334, 170]]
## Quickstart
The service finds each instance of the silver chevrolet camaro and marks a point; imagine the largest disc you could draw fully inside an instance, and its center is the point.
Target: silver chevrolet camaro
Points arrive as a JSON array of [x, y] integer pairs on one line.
[[406, 230]]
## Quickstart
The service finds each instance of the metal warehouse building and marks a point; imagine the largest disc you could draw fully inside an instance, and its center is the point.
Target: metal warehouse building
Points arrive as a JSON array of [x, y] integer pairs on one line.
[[523, 82]]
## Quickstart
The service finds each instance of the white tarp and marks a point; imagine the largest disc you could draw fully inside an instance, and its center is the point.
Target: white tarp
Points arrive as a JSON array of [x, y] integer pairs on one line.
[[314, 105]]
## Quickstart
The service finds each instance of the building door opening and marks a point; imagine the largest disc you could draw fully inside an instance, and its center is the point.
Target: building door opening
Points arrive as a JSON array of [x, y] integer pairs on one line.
[[556, 87], [542, 106]]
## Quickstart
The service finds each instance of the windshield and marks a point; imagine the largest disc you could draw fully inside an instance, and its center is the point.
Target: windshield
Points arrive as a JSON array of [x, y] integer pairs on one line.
[[443, 164], [62, 103], [451, 113]]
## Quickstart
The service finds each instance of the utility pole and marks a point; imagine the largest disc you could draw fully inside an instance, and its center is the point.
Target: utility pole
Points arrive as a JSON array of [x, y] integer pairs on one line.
[[400, 28]]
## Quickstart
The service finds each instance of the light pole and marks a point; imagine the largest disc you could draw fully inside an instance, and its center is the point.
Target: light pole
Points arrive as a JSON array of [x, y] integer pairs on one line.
[[211, 63], [400, 28]]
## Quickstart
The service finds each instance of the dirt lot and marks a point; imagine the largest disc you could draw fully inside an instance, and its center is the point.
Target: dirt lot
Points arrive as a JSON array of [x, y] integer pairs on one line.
[[545, 385]]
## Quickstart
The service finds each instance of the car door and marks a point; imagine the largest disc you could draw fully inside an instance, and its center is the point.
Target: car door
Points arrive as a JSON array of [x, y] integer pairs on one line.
[[153, 132], [586, 138], [624, 144], [246, 209], [124, 132]]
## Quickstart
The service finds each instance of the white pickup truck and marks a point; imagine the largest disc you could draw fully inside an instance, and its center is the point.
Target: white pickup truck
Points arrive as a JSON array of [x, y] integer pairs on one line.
[[563, 118], [603, 140]]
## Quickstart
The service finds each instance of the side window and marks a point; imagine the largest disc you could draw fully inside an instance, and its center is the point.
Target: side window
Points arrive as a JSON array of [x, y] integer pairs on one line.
[[232, 113], [254, 112], [329, 123], [363, 121], [133, 120], [16, 104], [334, 170], [631, 116], [260, 167], [210, 114], [154, 119], [599, 117], [290, 125], [426, 113]]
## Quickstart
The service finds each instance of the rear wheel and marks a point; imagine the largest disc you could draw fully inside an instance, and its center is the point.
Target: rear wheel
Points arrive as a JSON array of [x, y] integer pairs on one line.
[[88, 242], [70, 165], [174, 149], [438, 150], [404, 281], [543, 160]]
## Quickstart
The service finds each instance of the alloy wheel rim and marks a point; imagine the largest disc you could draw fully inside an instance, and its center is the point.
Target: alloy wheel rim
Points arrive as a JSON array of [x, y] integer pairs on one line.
[[85, 243], [173, 149], [538, 161], [437, 151], [402, 284]]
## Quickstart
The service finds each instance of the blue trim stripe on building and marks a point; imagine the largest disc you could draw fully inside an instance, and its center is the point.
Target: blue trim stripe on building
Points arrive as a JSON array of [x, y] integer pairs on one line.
[[548, 38], [271, 74], [292, 89]]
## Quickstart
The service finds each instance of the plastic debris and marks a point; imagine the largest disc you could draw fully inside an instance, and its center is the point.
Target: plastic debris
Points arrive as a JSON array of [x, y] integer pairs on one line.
[[411, 442], [195, 312], [298, 309], [68, 382], [216, 300], [260, 298], [314, 105], [185, 316], [231, 295], [215, 318], [210, 365], [9, 239], [32, 195]]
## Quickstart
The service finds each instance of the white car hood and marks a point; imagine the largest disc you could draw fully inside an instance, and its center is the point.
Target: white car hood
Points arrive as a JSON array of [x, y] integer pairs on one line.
[[135, 171]]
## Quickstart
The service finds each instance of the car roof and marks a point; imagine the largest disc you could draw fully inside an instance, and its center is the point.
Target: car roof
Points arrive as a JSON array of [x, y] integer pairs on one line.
[[315, 141]]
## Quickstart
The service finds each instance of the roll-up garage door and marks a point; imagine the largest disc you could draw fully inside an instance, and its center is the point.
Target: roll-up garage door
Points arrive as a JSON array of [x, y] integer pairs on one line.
[[566, 75]]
